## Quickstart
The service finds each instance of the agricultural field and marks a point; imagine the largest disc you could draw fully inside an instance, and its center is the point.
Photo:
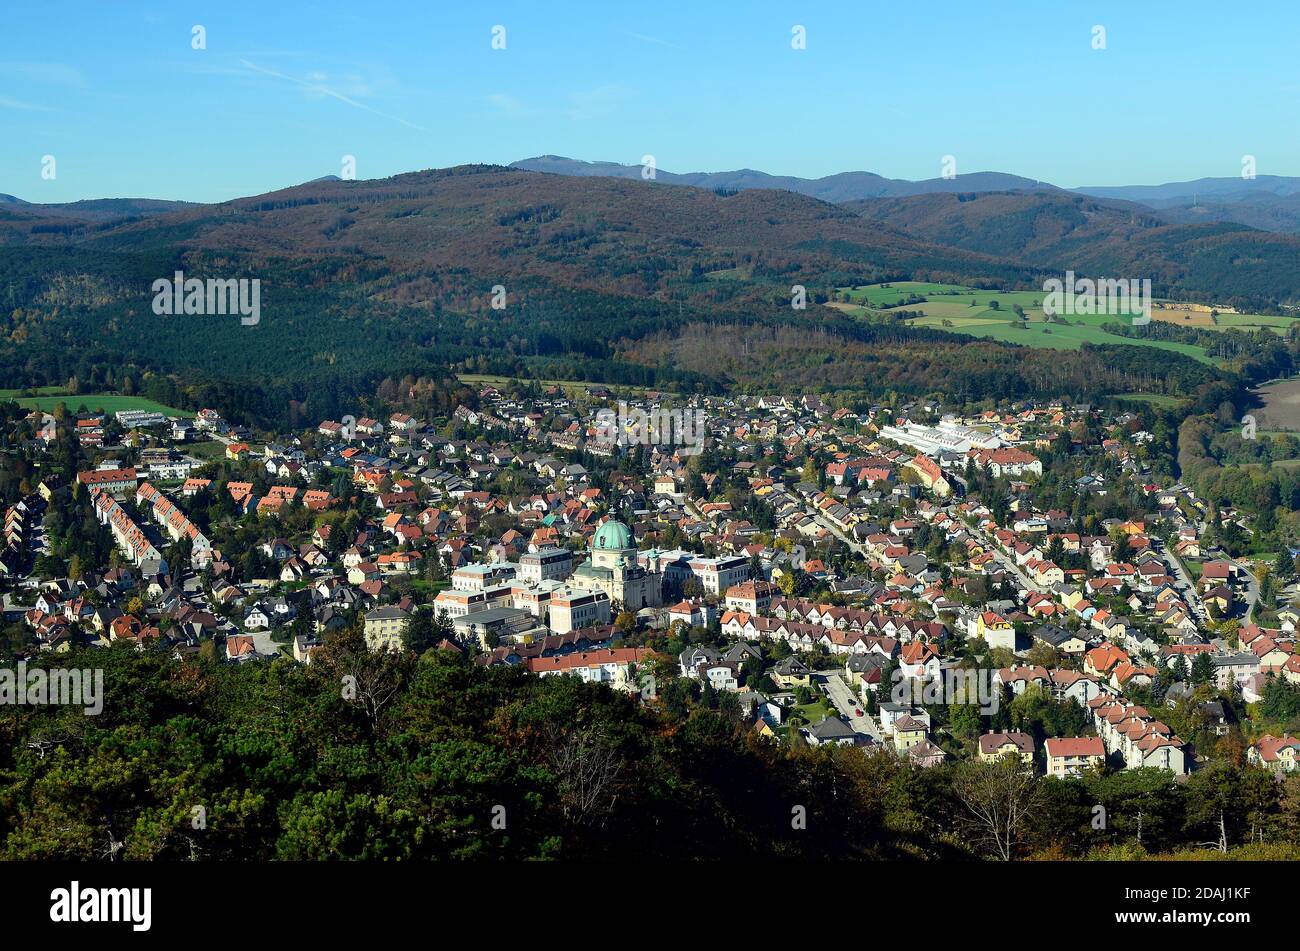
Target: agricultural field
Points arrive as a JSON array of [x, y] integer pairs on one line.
[[884, 296], [1209, 318], [992, 314], [1281, 409], [36, 391]]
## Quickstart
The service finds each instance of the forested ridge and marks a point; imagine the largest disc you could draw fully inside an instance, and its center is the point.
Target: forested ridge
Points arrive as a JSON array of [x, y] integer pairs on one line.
[[604, 280]]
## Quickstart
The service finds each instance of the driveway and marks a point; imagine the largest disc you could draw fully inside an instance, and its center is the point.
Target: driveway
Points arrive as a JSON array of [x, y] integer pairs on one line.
[[263, 643], [846, 702], [830, 526], [1187, 586]]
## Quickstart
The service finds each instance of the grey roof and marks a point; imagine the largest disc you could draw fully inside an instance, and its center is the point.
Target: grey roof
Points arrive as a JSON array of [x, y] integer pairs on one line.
[[698, 654], [385, 613], [1051, 634], [1235, 660], [792, 664], [491, 616], [832, 728], [869, 661], [740, 650]]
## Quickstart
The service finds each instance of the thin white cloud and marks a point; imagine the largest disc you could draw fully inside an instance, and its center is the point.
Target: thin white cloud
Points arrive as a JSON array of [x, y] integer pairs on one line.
[[7, 103], [656, 41], [324, 90]]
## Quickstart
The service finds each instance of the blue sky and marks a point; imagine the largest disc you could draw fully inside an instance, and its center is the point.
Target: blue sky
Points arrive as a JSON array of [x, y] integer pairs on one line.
[[284, 89]]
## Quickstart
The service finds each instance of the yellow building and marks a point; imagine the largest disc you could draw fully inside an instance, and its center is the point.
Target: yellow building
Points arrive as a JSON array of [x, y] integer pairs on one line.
[[908, 732], [791, 673], [995, 746], [1072, 755], [385, 626], [991, 626]]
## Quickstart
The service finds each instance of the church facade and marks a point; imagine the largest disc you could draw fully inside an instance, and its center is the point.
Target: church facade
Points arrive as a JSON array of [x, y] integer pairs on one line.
[[614, 569]]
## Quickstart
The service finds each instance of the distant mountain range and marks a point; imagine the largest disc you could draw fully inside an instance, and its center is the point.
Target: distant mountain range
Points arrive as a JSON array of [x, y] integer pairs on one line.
[[599, 226], [845, 186], [1268, 202], [95, 209], [1215, 189]]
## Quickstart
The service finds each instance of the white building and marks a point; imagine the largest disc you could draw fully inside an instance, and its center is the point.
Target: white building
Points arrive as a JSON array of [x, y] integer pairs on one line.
[[548, 564], [611, 666], [948, 436], [715, 575], [572, 608], [481, 577]]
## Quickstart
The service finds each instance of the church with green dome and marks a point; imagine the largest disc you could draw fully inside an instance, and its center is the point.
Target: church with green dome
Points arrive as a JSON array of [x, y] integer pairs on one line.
[[614, 569], [613, 536]]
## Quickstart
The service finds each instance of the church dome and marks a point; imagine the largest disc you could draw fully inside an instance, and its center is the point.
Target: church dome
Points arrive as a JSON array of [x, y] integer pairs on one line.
[[612, 536]]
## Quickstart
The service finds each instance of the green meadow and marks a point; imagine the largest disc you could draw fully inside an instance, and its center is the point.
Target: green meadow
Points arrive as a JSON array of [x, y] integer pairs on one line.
[[96, 402], [991, 314], [1151, 399]]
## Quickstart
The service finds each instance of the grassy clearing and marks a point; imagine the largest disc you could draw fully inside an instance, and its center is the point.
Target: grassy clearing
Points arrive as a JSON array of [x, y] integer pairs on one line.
[[96, 402], [572, 388], [1276, 463], [1151, 399], [730, 274], [813, 713], [207, 451], [885, 296], [32, 391]]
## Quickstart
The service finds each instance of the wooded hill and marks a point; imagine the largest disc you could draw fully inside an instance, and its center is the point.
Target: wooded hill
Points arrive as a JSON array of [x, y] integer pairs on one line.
[[366, 279]]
